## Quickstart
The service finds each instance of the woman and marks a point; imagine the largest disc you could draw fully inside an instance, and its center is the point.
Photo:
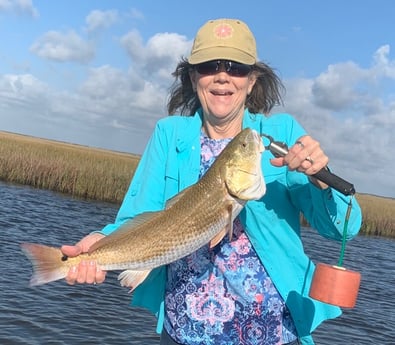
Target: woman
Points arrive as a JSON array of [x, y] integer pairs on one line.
[[252, 289]]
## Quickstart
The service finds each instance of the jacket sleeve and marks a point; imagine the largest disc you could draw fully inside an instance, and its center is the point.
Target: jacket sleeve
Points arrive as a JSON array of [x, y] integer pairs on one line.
[[324, 209], [146, 190]]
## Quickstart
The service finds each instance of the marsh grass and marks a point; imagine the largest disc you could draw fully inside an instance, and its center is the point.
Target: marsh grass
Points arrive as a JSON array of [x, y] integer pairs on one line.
[[72, 169], [105, 175], [378, 215]]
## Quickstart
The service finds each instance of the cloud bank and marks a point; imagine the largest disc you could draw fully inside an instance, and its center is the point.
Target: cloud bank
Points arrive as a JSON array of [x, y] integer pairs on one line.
[[343, 107]]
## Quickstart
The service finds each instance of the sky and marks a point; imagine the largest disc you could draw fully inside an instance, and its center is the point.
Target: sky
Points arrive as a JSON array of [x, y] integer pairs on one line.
[[98, 72]]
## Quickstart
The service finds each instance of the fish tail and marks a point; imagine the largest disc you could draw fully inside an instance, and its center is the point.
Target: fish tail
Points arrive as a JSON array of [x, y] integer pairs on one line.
[[48, 263]]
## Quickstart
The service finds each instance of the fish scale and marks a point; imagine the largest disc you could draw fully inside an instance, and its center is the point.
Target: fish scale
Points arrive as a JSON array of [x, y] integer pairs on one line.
[[168, 248], [200, 215]]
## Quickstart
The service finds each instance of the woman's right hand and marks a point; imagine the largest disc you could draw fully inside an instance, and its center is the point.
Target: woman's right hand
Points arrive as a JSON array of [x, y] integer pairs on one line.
[[87, 271]]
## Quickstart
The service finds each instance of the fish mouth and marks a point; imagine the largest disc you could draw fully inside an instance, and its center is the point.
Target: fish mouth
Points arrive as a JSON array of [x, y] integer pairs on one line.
[[253, 173], [258, 139]]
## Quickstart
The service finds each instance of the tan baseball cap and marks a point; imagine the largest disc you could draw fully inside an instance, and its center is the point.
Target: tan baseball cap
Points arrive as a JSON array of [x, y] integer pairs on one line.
[[227, 39]]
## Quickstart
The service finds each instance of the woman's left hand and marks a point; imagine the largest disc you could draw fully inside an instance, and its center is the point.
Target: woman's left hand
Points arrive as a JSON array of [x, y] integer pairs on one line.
[[305, 156]]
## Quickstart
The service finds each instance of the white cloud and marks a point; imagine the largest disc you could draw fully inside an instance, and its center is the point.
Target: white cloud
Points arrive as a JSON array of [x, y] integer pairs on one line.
[[382, 64], [99, 20], [133, 44], [110, 103], [335, 89], [344, 109], [63, 47], [159, 56], [19, 7], [22, 90], [121, 90], [134, 13]]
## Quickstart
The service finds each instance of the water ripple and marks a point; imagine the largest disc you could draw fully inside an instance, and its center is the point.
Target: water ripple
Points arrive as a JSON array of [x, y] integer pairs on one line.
[[59, 314]]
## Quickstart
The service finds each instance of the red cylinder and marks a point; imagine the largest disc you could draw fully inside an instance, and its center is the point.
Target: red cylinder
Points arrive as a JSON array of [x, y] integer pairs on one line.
[[335, 285]]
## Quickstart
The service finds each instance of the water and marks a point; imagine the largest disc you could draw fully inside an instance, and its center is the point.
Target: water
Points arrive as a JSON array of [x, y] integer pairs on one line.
[[60, 314]]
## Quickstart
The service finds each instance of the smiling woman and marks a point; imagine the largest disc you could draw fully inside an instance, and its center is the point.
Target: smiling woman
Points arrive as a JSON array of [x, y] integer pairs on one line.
[[238, 291]]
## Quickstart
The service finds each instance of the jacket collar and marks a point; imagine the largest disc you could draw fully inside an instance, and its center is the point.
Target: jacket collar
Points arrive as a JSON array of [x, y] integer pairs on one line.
[[190, 134]]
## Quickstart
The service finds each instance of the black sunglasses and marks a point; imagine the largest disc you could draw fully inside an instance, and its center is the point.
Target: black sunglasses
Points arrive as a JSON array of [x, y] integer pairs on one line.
[[234, 69]]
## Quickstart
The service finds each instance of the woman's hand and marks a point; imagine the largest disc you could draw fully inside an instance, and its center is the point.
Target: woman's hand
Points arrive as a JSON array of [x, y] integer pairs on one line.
[[305, 156], [87, 271]]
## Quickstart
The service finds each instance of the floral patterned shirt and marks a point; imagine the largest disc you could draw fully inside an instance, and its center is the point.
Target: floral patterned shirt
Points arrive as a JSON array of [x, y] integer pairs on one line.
[[223, 295]]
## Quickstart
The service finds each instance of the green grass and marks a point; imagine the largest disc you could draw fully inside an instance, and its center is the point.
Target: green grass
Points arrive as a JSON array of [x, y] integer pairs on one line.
[[105, 175]]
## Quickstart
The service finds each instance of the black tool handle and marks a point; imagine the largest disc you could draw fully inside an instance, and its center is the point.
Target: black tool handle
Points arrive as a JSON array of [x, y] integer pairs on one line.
[[279, 149], [335, 182]]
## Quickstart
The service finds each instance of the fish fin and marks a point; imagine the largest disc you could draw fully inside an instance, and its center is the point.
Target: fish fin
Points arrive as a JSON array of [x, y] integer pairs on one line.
[[230, 225], [228, 229], [124, 229], [132, 279], [218, 238], [48, 263]]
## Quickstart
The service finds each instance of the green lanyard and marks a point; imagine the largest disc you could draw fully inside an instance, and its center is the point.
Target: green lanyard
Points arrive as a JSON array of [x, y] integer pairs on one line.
[[344, 240]]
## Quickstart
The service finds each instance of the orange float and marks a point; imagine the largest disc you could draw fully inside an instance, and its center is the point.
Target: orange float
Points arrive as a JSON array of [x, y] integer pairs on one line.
[[335, 285]]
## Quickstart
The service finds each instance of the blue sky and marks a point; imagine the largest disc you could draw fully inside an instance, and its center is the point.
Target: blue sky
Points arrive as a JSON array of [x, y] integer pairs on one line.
[[97, 72]]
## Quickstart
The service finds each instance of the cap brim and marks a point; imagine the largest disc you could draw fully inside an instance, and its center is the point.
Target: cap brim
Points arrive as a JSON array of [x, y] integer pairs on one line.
[[221, 53]]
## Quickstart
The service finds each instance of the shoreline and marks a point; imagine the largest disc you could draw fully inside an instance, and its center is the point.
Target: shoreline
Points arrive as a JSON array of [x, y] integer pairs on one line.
[[104, 175]]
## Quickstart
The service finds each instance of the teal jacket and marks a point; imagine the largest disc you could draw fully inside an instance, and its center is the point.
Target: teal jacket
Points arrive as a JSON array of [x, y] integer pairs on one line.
[[171, 162]]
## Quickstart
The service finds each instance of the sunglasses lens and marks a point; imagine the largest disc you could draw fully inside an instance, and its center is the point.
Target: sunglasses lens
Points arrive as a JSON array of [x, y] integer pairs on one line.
[[237, 69], [234, 69], [210, 67]]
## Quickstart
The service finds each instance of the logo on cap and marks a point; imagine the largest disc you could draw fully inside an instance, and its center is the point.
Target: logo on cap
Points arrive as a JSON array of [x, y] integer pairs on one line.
[[223, 31]]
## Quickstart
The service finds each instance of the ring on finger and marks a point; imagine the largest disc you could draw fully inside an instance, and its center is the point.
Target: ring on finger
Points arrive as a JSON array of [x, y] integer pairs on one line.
[[300, 144], [309, 159]]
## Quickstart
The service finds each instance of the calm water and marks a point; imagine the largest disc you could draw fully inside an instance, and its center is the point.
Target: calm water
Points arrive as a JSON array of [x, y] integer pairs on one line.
[[60, 314]]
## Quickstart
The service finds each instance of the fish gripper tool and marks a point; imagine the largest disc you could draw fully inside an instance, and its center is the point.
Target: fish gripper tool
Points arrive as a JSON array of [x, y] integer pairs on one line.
[[280, 149]]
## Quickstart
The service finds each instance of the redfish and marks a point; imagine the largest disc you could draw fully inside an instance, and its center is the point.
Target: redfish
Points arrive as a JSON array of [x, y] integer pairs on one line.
[[200, 215]]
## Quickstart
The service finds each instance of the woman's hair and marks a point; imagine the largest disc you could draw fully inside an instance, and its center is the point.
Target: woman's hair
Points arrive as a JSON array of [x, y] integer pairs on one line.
[[265, 94]]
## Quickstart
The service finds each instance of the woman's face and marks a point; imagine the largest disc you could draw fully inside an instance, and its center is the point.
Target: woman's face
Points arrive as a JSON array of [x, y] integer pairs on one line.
[[222, 96]]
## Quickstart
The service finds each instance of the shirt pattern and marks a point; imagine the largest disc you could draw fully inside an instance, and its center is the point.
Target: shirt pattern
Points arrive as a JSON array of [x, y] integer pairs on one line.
[[223, 295]]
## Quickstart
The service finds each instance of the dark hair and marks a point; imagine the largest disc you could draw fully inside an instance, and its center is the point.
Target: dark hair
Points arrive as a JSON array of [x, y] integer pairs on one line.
[[265, 94]]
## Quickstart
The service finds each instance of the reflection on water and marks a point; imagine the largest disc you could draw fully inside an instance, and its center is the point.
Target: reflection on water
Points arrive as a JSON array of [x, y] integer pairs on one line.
[[60, 314]]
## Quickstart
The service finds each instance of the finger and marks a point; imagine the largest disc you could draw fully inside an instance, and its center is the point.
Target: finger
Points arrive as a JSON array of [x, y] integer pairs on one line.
[[300, 143], [91, 272], [71, 250], [306, 166], [88, 240], [314, 164], [82, 271], [295, 159], [304, 153], [296, 155], [310, 160], [277, 162], [100, 275], [72, 275]]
